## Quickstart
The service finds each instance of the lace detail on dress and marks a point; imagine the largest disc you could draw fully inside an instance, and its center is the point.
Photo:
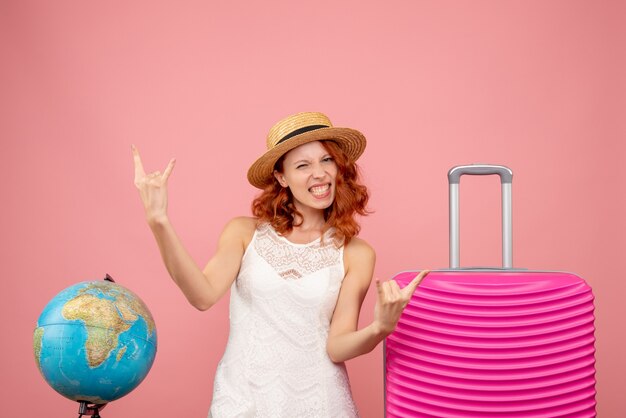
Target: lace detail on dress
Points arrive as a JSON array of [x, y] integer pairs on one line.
[[293, 261]]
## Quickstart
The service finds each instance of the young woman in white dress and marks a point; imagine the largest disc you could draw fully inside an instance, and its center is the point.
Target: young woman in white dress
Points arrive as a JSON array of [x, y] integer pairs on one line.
[[297, 273]]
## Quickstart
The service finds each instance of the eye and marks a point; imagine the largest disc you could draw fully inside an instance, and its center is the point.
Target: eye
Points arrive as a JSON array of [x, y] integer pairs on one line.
[[301, 166], [327, 159]]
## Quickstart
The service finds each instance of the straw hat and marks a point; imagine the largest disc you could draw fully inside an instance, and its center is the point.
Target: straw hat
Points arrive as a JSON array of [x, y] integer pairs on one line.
[[299, 129]]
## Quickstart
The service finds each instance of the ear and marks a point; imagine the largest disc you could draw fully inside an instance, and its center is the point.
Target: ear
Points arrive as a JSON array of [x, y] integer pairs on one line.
[[280, 178]]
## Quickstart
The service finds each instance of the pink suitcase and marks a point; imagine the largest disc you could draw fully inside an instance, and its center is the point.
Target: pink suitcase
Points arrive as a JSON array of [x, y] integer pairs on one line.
[[492, 342]]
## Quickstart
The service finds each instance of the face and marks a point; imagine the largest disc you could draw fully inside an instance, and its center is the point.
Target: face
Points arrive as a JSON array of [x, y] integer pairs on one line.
[[310, 172]]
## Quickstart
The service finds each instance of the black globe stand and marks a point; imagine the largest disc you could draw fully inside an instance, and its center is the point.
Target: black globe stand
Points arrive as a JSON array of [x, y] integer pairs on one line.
[[90, 409]]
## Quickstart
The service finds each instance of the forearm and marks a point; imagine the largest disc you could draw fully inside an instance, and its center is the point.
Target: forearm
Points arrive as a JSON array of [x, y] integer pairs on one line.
[[181, 267], [353, 344]]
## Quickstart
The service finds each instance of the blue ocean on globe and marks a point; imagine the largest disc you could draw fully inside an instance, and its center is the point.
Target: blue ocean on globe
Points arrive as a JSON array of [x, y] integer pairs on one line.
[[95, 341]]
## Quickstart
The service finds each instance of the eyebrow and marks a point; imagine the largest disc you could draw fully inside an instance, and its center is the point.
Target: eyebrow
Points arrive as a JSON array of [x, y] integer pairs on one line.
[[300, 161], [304, 160]]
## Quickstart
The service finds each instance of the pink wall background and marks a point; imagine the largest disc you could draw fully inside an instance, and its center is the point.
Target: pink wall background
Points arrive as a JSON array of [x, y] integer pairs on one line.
[[536, 85]]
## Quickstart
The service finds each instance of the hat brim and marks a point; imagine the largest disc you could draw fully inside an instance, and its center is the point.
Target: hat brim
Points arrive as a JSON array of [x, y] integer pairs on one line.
[[351, 141]]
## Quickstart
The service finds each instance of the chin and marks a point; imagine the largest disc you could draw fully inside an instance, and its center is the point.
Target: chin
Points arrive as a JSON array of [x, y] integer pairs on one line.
[[319, 204], [326, 203]]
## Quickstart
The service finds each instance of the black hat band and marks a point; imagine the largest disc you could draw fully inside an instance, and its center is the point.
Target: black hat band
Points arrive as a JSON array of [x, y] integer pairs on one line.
[[301, 131]]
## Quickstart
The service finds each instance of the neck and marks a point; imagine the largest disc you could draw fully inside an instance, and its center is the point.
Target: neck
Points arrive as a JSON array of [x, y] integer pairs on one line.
[[311, 220]]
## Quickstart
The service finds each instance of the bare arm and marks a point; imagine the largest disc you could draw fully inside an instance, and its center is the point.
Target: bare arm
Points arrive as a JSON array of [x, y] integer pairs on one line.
[[201, 288], [344, 340]]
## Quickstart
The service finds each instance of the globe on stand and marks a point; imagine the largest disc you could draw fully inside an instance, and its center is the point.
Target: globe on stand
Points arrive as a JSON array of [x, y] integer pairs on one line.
[[94, 343]]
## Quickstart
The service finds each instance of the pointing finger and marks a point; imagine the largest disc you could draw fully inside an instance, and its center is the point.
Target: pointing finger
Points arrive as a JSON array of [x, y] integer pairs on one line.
[[139, 171]]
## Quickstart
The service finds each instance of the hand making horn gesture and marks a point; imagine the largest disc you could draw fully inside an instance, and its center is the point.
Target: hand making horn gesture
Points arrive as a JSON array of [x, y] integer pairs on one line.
[[152, 188], [392, 300]]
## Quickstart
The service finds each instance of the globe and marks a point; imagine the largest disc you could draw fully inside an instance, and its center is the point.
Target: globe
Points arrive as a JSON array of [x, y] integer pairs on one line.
[[95, 342]]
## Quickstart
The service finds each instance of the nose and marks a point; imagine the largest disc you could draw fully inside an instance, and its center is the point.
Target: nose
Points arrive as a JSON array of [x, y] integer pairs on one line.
[[318, 171]]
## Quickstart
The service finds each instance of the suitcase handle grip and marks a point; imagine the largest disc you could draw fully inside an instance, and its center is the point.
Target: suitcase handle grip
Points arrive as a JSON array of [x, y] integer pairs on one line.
[[505, 173], [506, 179]]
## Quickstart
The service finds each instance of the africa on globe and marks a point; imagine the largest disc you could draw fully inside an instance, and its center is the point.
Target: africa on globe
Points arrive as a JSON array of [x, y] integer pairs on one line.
[[95, 341]]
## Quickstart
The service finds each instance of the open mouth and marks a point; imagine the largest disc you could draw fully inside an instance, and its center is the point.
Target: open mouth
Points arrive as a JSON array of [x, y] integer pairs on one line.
[[320, 191]]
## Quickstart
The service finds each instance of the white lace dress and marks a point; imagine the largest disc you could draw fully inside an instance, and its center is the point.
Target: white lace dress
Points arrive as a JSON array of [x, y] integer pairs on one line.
[[275, 364]]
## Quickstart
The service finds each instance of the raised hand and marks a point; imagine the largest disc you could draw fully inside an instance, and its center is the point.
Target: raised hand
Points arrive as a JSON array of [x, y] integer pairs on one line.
[[392, 300], [152, 188]]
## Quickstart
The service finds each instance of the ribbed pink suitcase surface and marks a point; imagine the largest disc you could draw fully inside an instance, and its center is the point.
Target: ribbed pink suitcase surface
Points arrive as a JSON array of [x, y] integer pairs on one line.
[[492, 342]]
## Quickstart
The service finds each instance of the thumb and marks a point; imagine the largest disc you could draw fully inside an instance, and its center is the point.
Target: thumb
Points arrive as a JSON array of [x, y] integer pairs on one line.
[[410, 288]]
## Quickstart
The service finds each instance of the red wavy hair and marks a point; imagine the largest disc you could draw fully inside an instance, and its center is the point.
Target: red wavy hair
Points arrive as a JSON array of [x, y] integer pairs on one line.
[[275, 204]]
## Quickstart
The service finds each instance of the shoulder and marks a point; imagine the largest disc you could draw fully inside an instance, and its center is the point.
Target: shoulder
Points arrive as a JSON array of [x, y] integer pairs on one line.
[[243, 223], [359, 260], [359, 251], [240, 228]]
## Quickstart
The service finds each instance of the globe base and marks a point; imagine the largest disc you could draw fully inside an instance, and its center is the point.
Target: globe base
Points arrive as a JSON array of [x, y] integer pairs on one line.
[[90, 409]]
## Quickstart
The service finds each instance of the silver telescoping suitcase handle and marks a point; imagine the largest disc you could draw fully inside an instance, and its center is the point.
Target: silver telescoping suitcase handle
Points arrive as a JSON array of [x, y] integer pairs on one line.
[[506, 178]]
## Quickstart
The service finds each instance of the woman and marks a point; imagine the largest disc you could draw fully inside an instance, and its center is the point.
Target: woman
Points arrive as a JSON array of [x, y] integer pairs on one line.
[[297, 273]]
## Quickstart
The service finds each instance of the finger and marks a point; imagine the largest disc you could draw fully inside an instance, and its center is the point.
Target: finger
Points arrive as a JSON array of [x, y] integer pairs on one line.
[[379, 289], [394, 289], [388, 292], [410, 288], [168, 169], [139, 171]]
